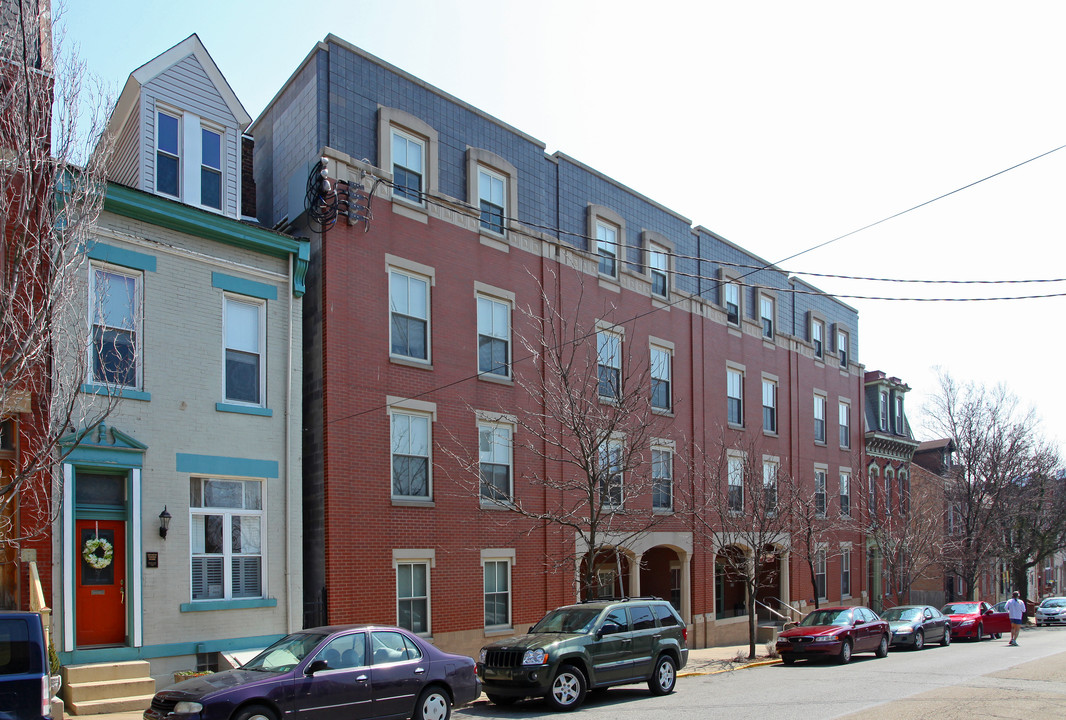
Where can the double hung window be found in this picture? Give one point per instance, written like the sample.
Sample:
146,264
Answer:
844,418
607,248
657,268
410,455
732,303
226,527
819,493
168,154
845,572
845,493
610,470
769,406
492,199
819,573
493,336
210,168
662,474
735,474
819,418
735,396
609,364
818,338
409,315
115,302
408,166
842,348
882,416
245,368
660,378
899,415
412,596
494,452
766,314
497,593
769,486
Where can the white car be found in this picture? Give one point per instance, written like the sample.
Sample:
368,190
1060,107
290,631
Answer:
1051,611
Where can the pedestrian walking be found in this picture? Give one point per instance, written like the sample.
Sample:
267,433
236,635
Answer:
1016,610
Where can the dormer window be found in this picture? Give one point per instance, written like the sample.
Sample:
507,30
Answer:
210,168
168,155
407,166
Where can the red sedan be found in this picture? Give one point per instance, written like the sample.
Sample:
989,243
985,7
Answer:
835,632
975,619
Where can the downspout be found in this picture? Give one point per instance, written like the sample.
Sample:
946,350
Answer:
288,465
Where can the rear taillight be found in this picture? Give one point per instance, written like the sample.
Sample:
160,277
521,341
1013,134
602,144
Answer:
46,696
684,633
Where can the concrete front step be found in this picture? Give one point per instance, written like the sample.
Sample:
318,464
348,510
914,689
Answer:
138,703
98,688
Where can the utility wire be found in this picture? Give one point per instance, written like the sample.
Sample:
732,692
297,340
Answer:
476,214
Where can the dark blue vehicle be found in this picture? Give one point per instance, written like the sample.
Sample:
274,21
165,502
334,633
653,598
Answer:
26,683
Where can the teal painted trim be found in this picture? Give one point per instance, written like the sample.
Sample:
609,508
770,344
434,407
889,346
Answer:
218,465
121,256
243,409
124,393
172,214
149,652
205,606
106,457
243,286
97,514
299,270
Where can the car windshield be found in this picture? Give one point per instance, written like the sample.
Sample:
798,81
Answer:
827,617
283,655
567,620
961,609
904,614
1054,603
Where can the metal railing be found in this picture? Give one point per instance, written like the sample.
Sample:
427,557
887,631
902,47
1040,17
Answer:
783,604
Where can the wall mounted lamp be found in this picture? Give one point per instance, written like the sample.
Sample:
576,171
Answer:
164,523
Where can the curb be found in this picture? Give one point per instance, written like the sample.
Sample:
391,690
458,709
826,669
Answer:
697,673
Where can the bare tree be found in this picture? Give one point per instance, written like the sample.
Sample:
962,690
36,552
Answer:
1035,527
591,438
810,522
51,206
997,443
747,518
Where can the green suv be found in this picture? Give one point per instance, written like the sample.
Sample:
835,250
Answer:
590,645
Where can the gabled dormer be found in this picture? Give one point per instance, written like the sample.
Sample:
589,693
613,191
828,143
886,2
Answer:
177,129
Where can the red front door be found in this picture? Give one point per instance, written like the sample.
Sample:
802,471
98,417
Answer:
101,582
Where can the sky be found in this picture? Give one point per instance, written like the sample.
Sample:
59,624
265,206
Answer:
781,126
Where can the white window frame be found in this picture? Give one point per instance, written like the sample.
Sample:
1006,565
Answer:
845,571
899,414
227,555
410,415
734,383
491,304
821,497
659,478
609,357
426,318
408,561
845,492
843,340
662,361
882,415
820,404
138,323
220,170
607,248
735,480
871,494
820,573
490,181
771,467
611,453
768,321
260,306
659,268
844,420
818,338
494,559
731,292
422,144
492,432
176,156
769,395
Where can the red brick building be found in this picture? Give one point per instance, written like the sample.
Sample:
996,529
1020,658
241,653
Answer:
440,242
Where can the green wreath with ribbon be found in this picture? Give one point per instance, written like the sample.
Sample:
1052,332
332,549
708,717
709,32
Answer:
91,554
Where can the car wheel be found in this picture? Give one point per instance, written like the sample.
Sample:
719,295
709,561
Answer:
844,656
501,700
567,689
946,639
788,659
665,675
255,712
919,640
882,648
433,704
980,633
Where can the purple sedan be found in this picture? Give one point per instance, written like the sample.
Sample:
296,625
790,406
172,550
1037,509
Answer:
350,671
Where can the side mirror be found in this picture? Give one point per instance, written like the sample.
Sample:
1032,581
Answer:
609,629
316,666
